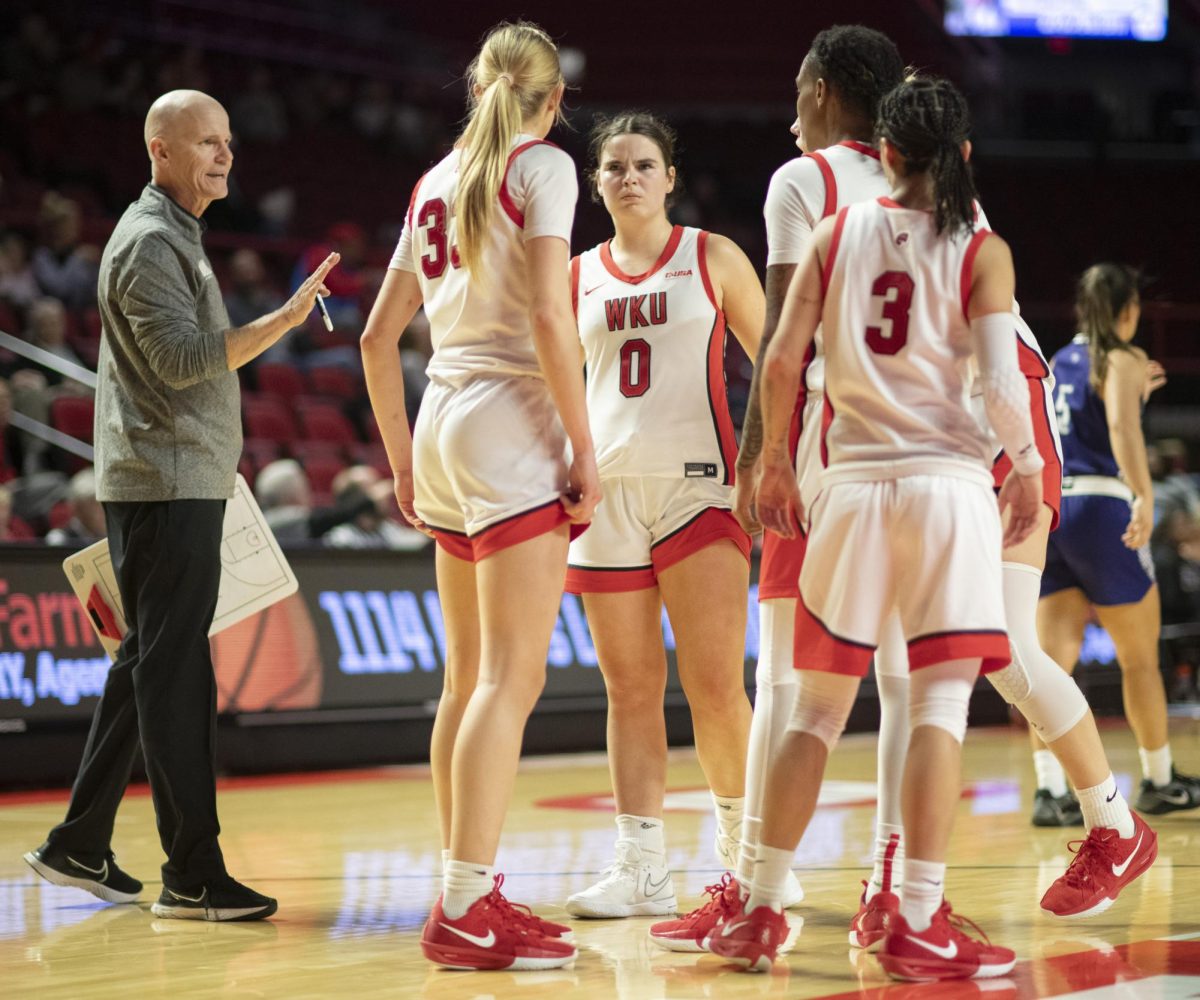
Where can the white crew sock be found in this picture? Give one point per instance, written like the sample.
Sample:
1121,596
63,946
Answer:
924,887
889,860
1050,774
771,867
1103,805
463,882
1156,765
646,832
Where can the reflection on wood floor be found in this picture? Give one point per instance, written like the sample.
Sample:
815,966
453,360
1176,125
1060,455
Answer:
353,857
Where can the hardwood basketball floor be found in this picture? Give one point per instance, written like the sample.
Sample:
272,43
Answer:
352,858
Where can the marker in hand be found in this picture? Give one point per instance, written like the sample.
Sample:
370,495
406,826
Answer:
324,313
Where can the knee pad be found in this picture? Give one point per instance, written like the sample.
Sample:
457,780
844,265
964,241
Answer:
819,712
940,697
1051,701
1013,682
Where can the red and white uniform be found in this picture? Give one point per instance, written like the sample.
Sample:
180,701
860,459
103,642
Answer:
803,192
906,518
1036,369
665,446
489,450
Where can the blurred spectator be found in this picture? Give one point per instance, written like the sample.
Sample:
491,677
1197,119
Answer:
12,528
48,330
62,266
416,348
362,489
18,286
285,497
87,515
12,445
260,115
1175,542
26,393
373,110
249,293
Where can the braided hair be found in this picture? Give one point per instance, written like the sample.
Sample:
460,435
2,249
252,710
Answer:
926,119
861,64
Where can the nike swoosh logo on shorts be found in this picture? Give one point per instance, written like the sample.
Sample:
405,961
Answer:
653,889
485,941
101,873
1119,870
947,951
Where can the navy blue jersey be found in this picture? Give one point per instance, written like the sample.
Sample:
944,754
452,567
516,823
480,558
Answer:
1082,418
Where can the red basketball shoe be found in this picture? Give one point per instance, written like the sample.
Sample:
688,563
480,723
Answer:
869,926
1104,864
751,940
687,933
492,934
942,951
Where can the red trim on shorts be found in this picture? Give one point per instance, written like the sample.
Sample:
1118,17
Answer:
506,201
816,648
827,270
611,266
710,526
718,398
830,205
1031,363
861,147
702,262
609,580
522,527
455,543
968,266
779,567
575,285
989,644
1043,439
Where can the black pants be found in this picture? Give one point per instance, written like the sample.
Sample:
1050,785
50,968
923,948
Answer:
166,557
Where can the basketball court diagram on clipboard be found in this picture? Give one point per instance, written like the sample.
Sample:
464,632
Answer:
254,573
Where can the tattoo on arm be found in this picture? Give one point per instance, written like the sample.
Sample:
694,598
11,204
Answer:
778,278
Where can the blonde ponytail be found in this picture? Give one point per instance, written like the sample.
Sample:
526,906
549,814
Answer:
509,82
1102,293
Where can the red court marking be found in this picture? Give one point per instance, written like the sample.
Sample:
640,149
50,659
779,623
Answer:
602,801
1058,976
141,789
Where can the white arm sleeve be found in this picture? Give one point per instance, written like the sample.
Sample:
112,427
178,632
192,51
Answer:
1005,389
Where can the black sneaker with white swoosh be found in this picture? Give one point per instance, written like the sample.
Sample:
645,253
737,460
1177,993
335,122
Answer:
94,873
221,899
1181,792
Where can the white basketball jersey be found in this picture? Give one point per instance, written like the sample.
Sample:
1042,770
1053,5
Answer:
655,348
802,193
898,344
484,326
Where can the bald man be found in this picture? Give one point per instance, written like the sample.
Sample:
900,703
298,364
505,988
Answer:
168,437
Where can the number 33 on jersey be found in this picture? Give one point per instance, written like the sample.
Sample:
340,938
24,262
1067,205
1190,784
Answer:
655,349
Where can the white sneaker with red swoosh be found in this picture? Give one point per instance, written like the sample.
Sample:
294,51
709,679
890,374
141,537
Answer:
1104,864
492,934
942,951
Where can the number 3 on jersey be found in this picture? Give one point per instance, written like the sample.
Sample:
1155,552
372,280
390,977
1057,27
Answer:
896,290
433,263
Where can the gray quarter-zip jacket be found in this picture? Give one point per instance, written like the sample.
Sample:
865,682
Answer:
168,416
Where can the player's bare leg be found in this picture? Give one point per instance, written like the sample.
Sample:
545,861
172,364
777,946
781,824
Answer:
1134,629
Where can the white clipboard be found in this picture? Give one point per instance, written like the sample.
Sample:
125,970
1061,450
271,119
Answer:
254,573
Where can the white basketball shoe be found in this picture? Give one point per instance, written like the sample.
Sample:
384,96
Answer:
632,886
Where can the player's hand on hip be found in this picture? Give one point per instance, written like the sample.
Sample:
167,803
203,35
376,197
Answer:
1156,378
1141,523
745,492
778,501
403,488
583,488
304,298
1021,500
